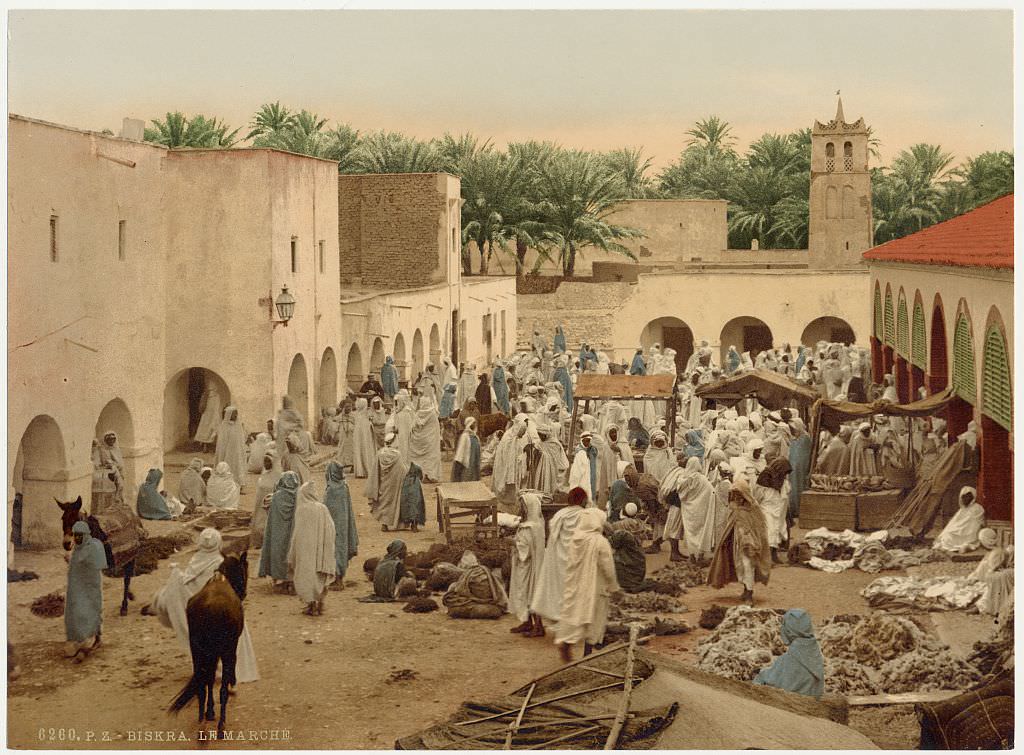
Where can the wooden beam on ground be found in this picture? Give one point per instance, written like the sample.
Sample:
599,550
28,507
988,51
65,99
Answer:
903,698
514,726
620,718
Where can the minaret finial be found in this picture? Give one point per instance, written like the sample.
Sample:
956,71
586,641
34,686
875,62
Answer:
839,110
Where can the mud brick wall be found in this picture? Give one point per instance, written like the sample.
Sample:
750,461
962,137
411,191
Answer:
586,311
391,229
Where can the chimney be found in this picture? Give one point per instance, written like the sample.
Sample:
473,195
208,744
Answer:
754,246
134,129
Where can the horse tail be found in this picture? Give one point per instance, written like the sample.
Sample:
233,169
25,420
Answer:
189,691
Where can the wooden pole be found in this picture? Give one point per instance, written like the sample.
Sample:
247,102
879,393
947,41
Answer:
815,432
620,718
514,726
556,699
572,427
570,735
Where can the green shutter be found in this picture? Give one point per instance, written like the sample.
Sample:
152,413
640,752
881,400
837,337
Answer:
996,385
879,323
890,325
902,328
963,362
918,349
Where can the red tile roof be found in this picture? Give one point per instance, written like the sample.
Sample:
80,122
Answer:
980,238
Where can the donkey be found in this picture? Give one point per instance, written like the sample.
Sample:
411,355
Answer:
121,524
215,622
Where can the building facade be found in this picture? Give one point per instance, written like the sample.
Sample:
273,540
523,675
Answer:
942,314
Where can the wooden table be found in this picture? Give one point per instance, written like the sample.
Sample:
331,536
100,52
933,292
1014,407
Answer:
467,507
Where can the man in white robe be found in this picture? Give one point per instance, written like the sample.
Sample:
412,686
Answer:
466,386
311,563
527,559
550,585
615,450
961,533
551,463
835,460
583,473
171,601
384,485
231,444
206,432
669,498
862,452
508,464
590,580
697,509
425,439
364,450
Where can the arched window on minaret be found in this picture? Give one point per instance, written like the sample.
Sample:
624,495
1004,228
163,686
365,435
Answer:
848,157
848,201
830,157
831,202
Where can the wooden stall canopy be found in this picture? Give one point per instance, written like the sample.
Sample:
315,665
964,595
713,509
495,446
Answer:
623,387
590,387
771,389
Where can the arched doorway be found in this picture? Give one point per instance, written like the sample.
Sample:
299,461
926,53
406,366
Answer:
186,396
116,418
435,345
398,352
995,483
417,354
298,387
746,334
831,329
327,388
377,355
40,475
354,368
671,333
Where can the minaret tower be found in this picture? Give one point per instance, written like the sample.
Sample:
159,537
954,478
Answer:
840,201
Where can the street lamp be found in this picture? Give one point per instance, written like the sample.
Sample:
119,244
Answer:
285,304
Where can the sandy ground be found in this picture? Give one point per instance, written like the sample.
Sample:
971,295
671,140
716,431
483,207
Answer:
326,681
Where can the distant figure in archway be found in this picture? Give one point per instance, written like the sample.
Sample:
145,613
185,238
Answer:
372,385
206,432
288,420
389,378
231,444
108,474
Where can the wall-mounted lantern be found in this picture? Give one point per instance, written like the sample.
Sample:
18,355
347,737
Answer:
285,304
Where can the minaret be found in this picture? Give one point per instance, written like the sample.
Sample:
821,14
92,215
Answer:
840,226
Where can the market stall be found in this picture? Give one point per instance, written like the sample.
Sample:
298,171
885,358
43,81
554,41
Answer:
772,391
591,388
861,503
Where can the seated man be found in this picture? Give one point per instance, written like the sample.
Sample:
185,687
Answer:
388,574
630,562
477,594
801,668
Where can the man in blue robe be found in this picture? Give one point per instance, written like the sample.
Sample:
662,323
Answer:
800,463
412,508
277,536
83,606
801,668
389,378
638,367
561,375
559,339
500,385
150,504
339,503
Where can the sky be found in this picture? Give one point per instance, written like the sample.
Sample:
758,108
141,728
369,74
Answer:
584,78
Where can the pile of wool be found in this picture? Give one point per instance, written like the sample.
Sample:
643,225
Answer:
681,573
49,606
153,549
995,655
744,642
919,671
407,588
420,605
844,677
649,602
619,622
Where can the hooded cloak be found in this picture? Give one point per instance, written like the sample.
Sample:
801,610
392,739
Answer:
466,386
231,444
658,462
425,439
466,464
364,451
800,462
527,556
378,419
478,593
483,394
389,571
339,503
637,366
222,490
384,486
550,586
288,420
746,536
500,385
206,432
589,581
630,562
389,377
257,451
448,400
191,487
583,472
559,339
311,564
801,668
150,504
961,533
694,445
83,604
277,536
412,507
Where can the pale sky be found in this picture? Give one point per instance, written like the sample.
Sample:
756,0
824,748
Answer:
587,79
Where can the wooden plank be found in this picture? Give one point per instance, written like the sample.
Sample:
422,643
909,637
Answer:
514,726
620,717
556,699
903,698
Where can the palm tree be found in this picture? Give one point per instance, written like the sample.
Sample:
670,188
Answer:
578,193
303,135
909,196
987,176
342,144
271,118
392,152
713,134
454,151
632,167
178,131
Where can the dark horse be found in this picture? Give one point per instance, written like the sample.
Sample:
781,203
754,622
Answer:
215,622
121,525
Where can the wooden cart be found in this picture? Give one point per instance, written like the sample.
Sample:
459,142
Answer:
467,508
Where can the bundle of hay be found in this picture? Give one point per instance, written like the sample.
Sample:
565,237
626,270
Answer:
420,605
649,602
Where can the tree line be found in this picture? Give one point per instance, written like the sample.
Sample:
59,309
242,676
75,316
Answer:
558,201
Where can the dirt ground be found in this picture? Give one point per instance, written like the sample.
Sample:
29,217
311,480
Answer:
325,681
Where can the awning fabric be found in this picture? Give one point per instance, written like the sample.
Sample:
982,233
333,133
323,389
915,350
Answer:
607,387
833,413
